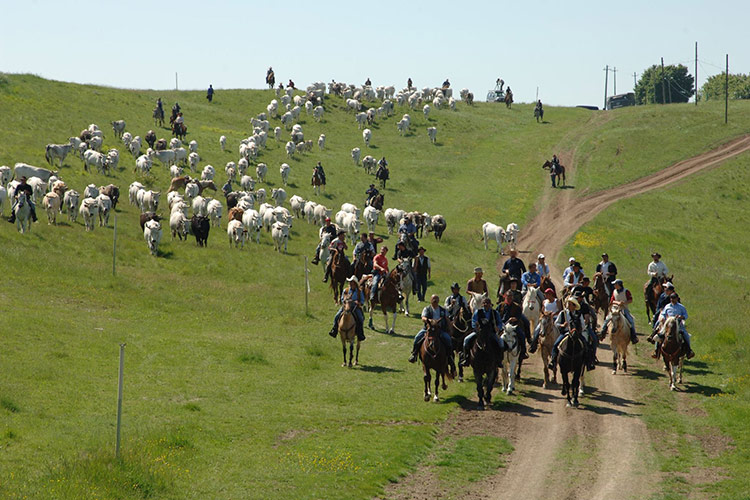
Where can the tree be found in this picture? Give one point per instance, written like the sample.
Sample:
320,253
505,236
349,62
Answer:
677,84
739,87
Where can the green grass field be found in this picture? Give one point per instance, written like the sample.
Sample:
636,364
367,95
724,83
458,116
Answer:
231,391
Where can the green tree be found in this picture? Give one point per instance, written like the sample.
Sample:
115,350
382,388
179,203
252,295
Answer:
739,87
677,83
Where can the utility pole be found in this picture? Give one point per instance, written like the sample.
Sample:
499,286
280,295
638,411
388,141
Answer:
726,93
696,73
175,80
606,76
663,90
614,79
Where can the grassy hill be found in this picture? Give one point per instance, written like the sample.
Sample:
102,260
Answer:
230,389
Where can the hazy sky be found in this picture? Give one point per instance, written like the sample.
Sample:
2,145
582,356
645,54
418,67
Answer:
561,47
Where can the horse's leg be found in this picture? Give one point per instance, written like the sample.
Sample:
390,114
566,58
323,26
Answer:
406,308
480,388
343,347
426,384
614,360
351,352
514,365
504,372
393,325
679,380
356,359
437,386
460,373
577,385
518,369
565,385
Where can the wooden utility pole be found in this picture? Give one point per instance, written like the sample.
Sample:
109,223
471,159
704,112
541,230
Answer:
696,73
663,90
175,81
606,76
726,93
614,80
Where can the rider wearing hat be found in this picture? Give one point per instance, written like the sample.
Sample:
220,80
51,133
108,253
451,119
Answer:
621,297
363,246
569,269
434,311
402,252
575,276
422,272
22,187
541,266
455,301
568,321
330,229
374,240
677,310
662,301
477,284
482,316
354,293
609,273
657,270
509,309
371,193
550,307
339,244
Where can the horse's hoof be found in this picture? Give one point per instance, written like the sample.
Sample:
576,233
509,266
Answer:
480,407
356,363
564,392
518,378
435,399
509,392
544,385
427,397
460,380
580,392
575,404
672,388
568,405
614,372
350,365
343,364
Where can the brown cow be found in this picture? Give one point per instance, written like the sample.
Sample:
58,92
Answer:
206,185
151,138
235,214
145,217
112,191
179,183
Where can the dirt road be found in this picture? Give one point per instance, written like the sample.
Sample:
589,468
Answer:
600,450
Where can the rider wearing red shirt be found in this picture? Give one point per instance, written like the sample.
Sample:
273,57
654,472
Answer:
379,269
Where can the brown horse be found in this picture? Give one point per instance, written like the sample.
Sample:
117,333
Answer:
376,202
388,301
651,294
560,170
601,298
508,99
672,350
572,353
547,283
458,329
547,337
619,328
363,264
347,333
179,130
433,356
317,182
340,270
485,358
503,286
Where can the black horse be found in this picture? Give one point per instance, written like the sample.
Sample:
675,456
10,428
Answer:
382,174
460,327
571,360
485,359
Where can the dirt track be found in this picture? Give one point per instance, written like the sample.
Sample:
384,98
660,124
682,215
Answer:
608,442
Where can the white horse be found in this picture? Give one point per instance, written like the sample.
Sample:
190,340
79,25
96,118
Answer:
407,282
510,357
23,213
325,240
476,300
532,307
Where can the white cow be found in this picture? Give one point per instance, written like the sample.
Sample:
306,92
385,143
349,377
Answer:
426,110
247,183
223,142
366,136
38,188
135,146
193,146
93,158
165,157
511,232
24,170
260,195
70,202
89,210
51,204
321,213
152,235
290,148
175,143
133,191
322,142
6,174
118,127
200,205
90,191
318,113
351,224
104,203
279,196
392,218
284,171
371,215
280,235
350,208
236,233
253,224
491,231
150,201
355,155
178,224
432,133
361,119
213,209
143,163
3,197
298,205
309,211
208,173
260,170
175,171
193,159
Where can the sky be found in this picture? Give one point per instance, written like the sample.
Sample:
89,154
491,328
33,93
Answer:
559,48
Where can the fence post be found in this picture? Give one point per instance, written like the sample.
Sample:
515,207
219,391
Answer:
119,399
307,286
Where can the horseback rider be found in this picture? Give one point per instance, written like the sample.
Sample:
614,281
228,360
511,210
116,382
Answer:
290,85
160,106
329,228
22,187
574,277
339,244
374,240
657,270
538,107
176,109
482,316
320,173
508,309
355,294
569,269
621,297
570,320
589,319
514,286
368,83
363,247
379,270
609,273
446,84
672,310
477,284
408,83
382,172
407,226
401,252
661,302
227,188
541,266
514,266
431,312
531,277
455,301
210,93
551,307
371,193
554,169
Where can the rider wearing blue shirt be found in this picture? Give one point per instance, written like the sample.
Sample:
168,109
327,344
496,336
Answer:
482,315
674,310
357,295
432,312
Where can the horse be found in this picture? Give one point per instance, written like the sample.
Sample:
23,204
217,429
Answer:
485,359
510,357
317,182
672,350
179,130
271,79
363,264
547,337
324,253
407,284
340,270
539,114
560,170
651,294
508,99
22,212
601,297
458,329
532,307
571,360
382,174
547,283
619,330
376,202
476,301
347,333
433,356
158,116
388,299
503,286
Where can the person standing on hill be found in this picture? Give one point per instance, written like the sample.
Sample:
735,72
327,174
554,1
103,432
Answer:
423,270
210,93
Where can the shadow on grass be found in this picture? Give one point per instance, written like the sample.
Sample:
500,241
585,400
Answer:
646,373
704,390
378,369
165,255
567,187
394,334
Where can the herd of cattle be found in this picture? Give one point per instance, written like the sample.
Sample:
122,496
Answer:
186,193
